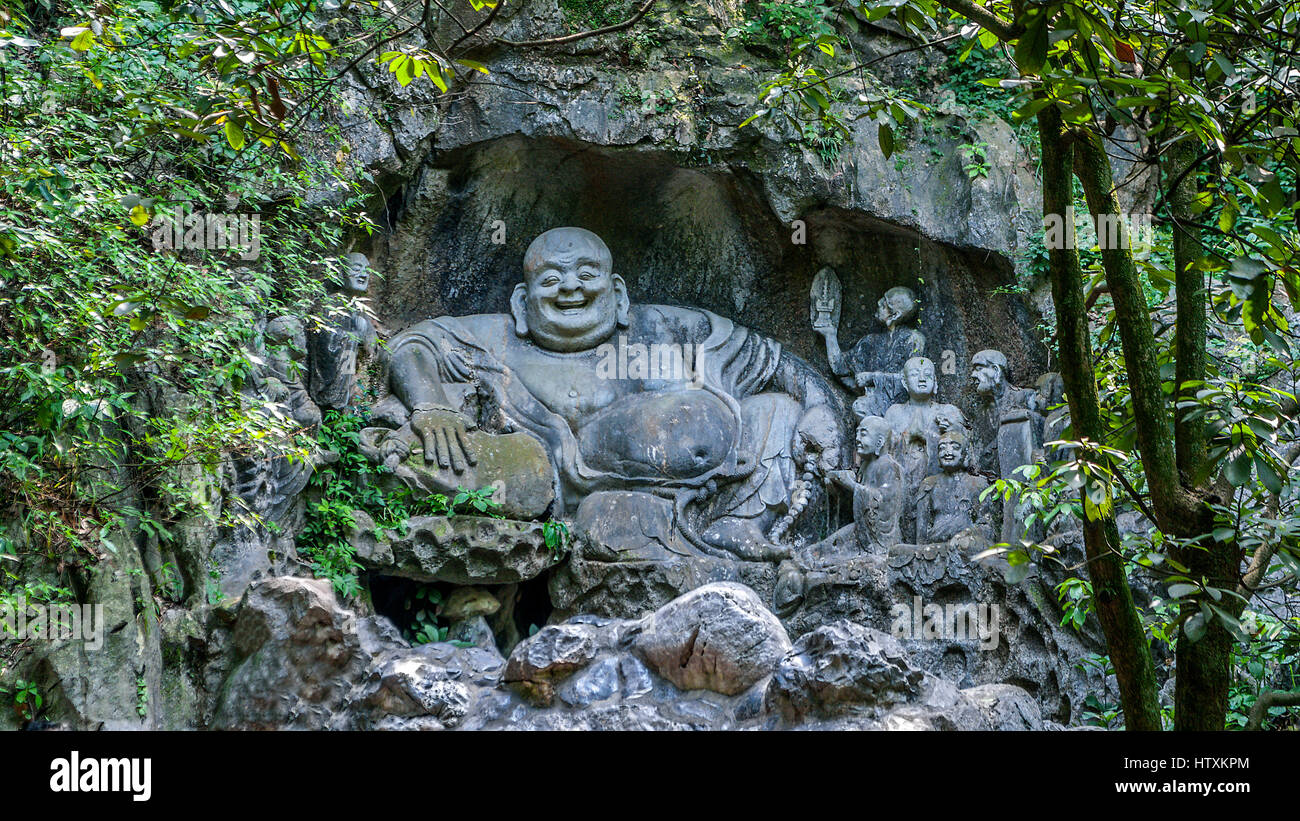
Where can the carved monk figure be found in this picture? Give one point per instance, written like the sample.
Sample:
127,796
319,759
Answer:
917,423
268,485
874,364
646,460
1004,404
1051,399
949,502
877,489
1014,426
335,348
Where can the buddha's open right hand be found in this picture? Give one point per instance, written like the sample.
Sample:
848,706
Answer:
442,434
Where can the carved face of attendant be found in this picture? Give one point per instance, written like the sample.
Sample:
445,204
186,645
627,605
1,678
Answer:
897,306
952,452
570,299
919,376
356,277
286,333
872,436
817,442
988,370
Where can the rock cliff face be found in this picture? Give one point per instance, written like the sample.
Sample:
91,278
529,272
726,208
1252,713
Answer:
713,659
645,151
696,210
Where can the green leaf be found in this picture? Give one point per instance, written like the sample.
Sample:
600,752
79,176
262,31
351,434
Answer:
1031,48
885,135
470,64
1237,469
1267,475
20,42
1017,573
234,134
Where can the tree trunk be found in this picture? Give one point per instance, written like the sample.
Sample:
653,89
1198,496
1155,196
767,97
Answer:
1126,639
1190,329
1175,508
1204,666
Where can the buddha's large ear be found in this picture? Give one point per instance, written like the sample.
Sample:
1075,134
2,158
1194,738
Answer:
624,305
517,302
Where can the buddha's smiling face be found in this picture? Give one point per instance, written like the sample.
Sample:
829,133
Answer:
572,299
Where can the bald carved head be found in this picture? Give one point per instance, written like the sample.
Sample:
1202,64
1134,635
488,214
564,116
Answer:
988,369
570,299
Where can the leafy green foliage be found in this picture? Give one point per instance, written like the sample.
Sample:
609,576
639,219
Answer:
1268,660
114,353
424,609
141,697
349,482
1075,596
557,536
27,699
777,23
584,15
975,159
476,501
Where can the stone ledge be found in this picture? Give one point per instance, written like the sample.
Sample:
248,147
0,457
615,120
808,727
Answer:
460,550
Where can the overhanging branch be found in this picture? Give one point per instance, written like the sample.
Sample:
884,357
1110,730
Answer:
583,35
1005,31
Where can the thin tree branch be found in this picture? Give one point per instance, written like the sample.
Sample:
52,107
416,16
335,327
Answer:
582,35
1273,698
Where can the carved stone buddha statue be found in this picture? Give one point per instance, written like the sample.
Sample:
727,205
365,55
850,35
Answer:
652,462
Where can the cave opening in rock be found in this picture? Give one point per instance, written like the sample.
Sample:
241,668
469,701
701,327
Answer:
464,613
532,606
401,601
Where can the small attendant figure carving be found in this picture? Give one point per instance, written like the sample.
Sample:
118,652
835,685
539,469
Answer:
949,502
873,365
268,485
1012,416
336,348
918,423
878,495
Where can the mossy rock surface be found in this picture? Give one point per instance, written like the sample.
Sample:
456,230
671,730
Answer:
461,550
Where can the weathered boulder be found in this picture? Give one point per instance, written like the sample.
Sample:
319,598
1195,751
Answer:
297,655
410,686
841,668
718,637
551,655
1008,707
468,602
99,685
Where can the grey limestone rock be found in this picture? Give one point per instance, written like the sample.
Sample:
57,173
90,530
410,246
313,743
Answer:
718,637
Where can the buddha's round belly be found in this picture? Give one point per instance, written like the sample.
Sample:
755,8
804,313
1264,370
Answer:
673,435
